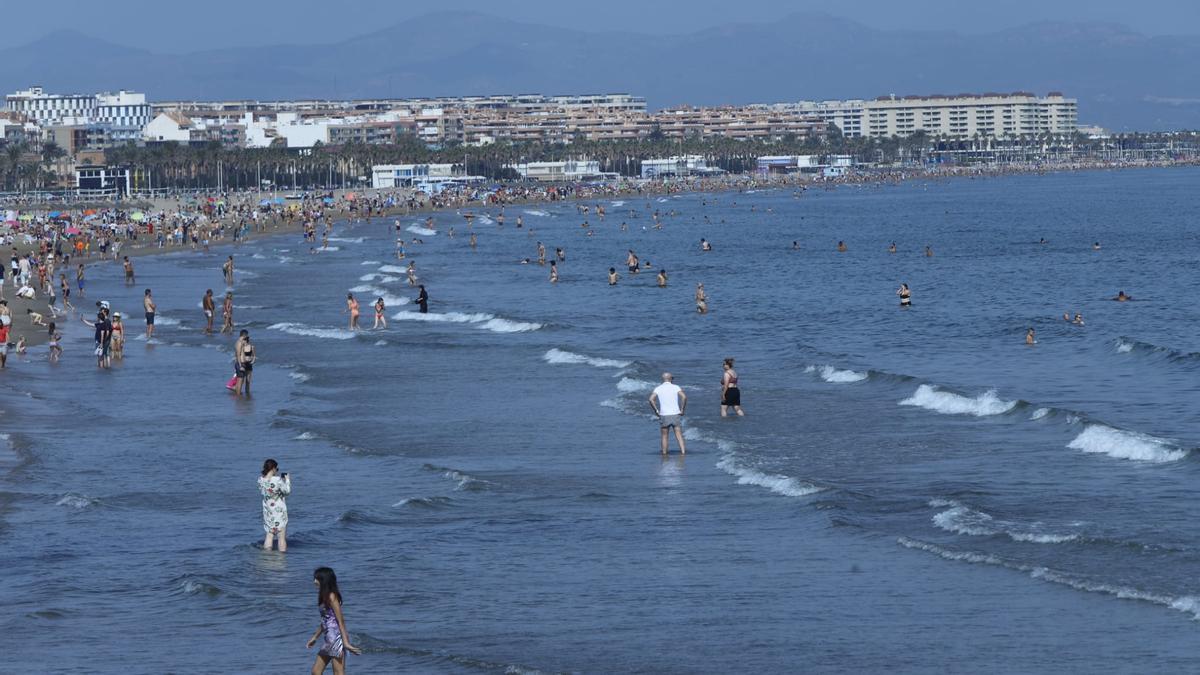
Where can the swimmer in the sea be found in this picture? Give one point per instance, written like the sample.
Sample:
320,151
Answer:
553,272
705,245
892,248
905,295
613,276
1121,297
1029,338
1078,319
701,299
662,279
928,252
841,247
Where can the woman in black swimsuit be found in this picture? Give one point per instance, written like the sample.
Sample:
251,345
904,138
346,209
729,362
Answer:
731,396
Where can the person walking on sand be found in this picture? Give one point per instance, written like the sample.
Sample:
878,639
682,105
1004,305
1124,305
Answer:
227,313
274,487
352,307
151,308
332,626
731,396
210,306
669,404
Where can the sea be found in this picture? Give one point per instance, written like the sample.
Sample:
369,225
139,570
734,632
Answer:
910,491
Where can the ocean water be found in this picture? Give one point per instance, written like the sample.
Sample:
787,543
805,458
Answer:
911,490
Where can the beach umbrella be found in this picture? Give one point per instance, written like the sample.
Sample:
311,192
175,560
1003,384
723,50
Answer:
327,200
26,217
279,200
137,216
264,202
72,230
55,214
89,212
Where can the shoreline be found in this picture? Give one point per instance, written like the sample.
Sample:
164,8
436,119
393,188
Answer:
277,223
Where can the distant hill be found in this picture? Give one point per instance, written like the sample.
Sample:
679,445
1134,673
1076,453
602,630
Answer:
1123,80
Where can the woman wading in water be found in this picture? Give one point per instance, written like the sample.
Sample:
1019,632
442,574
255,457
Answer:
731,396
333,625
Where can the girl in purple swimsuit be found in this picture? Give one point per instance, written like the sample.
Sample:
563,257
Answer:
337,640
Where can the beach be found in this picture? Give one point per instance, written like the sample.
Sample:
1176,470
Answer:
910,490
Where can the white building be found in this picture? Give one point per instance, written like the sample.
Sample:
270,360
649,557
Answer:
988,115
569,170
686,165
170,127
124,113
407,175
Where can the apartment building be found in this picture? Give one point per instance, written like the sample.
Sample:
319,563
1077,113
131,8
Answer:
989,115
123,113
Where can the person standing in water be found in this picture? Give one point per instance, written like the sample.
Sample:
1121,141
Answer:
243,362
731,396
701,299
209,306
333,625
274,487
352,307
380,319
841,247
422,300
669,404
613,276
632,262
227,269
905,295
553,272
227,313
151,308
128,272
662,279
1029,337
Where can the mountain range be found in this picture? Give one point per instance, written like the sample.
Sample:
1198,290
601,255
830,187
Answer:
1124,80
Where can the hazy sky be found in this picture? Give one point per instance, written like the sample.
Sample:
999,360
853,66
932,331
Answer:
188,26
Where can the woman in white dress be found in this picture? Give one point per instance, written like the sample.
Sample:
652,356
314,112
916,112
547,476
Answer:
275,487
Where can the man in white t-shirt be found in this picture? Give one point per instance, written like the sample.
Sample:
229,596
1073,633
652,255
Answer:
669,403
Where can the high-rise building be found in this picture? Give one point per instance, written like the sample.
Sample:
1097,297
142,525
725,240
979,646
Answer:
990,115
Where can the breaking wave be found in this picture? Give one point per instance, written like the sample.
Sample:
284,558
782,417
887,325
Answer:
1100,438
948,403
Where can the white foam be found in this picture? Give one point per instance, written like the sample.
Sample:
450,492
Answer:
369,262
962,520
947,403
484,220
328,248
559,356
389,300
306,436
248,307
392,269
1098,438
448,317
74,501
509,326
1124,347
160,320
618,203
423,231
1039,413
381,343
258,256
299,376
310,331
630,385
835,376
779,484
536,212
348,240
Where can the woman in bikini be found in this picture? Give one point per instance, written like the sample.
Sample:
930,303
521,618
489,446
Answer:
380,319
352,307
731,396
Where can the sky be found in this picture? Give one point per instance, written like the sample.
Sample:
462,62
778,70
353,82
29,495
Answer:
171,26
